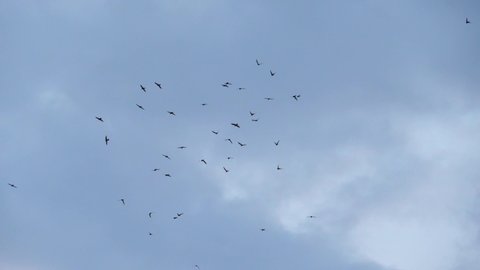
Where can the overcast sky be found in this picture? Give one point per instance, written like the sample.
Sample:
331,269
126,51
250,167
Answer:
382,147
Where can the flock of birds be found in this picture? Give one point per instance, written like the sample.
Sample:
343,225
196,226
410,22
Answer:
227,84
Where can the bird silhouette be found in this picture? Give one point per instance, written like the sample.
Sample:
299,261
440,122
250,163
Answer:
269,98
296,97
156,170
225,169
225,85
258,62
143,88
123,201
251,113
229,140
255,120
166,156
140,106
215,132
311,216
150,233
179,214
171,113
272,73
229,157
235,125
106,140
150,214
278,168
168,175
241,144
277,142
99,118
181,147
241,88
203,160
159,85
263,229
467,21
12,185
204,104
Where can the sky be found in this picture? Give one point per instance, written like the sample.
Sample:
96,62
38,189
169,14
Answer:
382,147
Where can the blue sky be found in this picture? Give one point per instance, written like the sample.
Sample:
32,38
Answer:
382,147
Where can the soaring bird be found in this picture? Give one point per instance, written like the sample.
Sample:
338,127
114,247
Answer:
204,104
215,132
225,85
277,142
467,21
235,125
150,214
168,175
296,97
123,201
175,217
278,168
311,216
12,185
241,88
258,63
269,98
172,113
203,160
241,144
140,106
159,85
99,118
150,233
106,140
166,156
229,140
156,170
225,169
179,214
255,120
143,88
272,73
251,113
263,229
181,147
229,158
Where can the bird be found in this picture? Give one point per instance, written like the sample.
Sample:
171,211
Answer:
277,142
311,216
166,156
467,21
229,140
225,169
296,97
99,118
251,113
168,175
175,217
225,85
150,233
140,106
12,185
123,201
155,170
106,140
203,160
228,83
181,147
269,98
229,157
263,229
215,132
272,73
278,168
172,113
255,120
143,88
241,144
204,104
241,88
150,214
159,85
179,214
258,62
235,125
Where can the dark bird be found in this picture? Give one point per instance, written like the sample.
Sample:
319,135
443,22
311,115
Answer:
203,160
255,120
159,85
251,113
99,118
150,214
272,73
172,113
269,98
225,169
241,88
175,217
155,170
467,21
204,104
311,216
168,175
181,147
277,142
215,132
241,144
106,140
150,234
235,125
167,157
179,214
229,140
228,83
278,168
258,63
143,88
263,229
225,85
123,201
296,97
140,106
229,157
12,185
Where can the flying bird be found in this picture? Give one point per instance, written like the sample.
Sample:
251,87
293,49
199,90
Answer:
296,97
467,21
155,170
150,233
106,140
12,185
181,147
123,201
172,113
225,85
269,98
255,120
229,140
168,175
251,113
166,156
150,214
99,118
278,168
272,73
215,132
277,142
311,216
258,62
263,229
179,214
229,157
225,169
140,106
203,160
241,88
159,85
235,125
204,104
241,144
143,88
